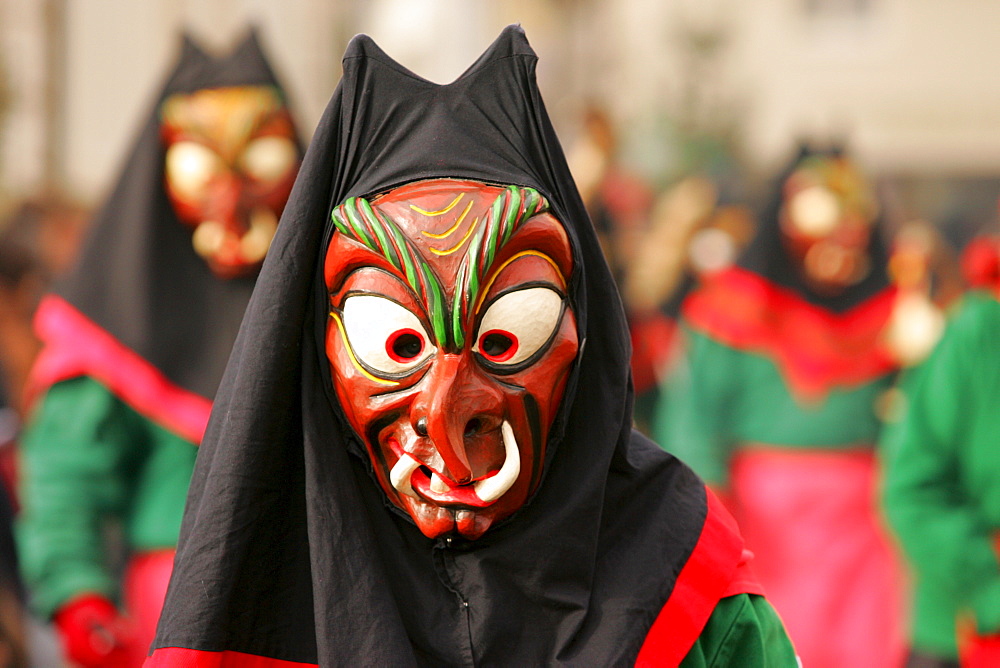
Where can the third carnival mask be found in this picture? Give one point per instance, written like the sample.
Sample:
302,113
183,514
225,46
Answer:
450,338
231,159
826,219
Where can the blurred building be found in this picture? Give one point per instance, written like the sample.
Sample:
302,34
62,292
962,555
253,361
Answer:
910,82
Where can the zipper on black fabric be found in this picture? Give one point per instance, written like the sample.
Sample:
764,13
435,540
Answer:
444,567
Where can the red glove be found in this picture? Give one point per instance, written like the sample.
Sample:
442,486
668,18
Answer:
981,263
93,633
981,652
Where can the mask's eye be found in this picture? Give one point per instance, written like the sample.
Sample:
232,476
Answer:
190,167
815,211
268,158
385,337
518,325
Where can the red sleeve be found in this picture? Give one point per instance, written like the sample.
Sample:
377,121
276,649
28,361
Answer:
718,567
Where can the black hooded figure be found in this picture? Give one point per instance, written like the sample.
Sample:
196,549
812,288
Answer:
290,553
136,339
767,255
777,404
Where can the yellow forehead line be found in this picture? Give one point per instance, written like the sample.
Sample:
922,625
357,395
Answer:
439,212
214,103
449,251
451,230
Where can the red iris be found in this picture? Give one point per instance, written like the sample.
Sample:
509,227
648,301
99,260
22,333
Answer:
404,345
497,345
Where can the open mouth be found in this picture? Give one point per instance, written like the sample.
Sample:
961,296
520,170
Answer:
410,477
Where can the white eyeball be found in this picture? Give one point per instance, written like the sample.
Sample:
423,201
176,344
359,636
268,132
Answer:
815,211
385,337
268,158
190,167
518,324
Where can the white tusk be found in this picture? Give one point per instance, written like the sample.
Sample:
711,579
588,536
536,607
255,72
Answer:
494,487
400,474
438,485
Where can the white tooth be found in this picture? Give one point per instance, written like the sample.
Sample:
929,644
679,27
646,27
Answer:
492,488
400,474
438,485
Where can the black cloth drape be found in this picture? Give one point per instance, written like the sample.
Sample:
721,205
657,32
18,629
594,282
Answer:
290,550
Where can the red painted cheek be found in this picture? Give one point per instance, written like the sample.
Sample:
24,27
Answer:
270,195
188,211
546,380
351,392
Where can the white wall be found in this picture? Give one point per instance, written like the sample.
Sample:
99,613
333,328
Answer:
23,62
914,81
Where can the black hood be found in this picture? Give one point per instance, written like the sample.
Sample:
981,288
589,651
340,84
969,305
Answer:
290,550
138,276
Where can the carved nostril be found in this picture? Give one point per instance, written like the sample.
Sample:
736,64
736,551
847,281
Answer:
421,427
472,426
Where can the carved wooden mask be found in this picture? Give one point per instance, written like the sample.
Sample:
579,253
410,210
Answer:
450,339
231,159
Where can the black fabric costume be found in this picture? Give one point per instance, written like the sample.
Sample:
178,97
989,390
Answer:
138,276
290,549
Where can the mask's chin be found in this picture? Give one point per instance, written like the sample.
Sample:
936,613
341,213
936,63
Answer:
436,521
230,253
439,507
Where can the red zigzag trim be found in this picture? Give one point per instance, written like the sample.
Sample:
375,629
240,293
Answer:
76,346
815,349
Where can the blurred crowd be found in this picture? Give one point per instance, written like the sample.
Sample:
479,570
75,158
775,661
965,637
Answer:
787,346
827,365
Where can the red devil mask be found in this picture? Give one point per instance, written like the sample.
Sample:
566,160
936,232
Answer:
231,160
450,340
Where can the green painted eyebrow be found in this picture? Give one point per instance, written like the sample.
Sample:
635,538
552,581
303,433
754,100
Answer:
509,211
357,219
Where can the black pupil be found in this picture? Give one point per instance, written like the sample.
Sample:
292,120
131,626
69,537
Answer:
496,344
407,346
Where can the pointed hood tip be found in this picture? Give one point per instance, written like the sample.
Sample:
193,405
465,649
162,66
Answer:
514,32
511,41
514,41
190,47
361,45
250,42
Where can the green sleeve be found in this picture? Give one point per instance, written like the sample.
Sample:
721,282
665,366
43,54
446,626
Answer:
73,479
694,407
926,497
744,630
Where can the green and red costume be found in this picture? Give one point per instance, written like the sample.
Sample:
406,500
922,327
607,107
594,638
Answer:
111,439
135,343
774,405
942,490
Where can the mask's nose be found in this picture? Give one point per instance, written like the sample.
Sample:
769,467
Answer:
226,207
457,407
